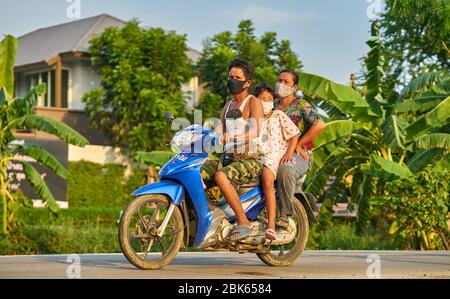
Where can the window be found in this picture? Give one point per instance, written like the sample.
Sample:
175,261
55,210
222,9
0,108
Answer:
48,77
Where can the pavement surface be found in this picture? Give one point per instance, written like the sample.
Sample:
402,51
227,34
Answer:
220,265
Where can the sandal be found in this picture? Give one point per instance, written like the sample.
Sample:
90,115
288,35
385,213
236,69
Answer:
270,234
282,221
239,232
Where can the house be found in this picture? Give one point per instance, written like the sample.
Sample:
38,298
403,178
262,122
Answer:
58,56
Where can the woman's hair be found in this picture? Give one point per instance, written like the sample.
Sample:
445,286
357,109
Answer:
258,89
293,73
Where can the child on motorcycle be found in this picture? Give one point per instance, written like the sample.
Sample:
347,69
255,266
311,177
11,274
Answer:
278,139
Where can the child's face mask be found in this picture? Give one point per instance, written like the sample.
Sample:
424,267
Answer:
267,107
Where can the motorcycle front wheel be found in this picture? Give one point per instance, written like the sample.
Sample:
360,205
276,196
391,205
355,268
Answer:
138,236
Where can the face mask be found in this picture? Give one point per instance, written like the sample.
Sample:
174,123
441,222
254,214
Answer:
283,90
235,86
267,107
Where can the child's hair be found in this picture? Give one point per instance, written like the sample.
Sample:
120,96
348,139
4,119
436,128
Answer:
261,87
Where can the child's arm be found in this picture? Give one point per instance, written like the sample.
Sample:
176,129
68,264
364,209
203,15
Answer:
290,150
291,133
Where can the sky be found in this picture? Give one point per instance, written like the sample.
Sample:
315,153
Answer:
329,36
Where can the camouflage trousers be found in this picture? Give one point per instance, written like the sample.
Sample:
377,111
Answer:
238,173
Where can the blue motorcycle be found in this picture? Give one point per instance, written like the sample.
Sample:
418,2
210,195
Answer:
175,213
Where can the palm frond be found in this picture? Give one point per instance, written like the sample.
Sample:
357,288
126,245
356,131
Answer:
51,126
343,97
42,190
7,60
393,132
366,190
375,63
389,170
43,157
335,130
423,158
419,84
159,158
27,104
434,140
435,118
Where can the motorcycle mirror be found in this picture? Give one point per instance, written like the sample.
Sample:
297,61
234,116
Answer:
169,116
234,114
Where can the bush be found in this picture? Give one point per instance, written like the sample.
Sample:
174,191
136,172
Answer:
344,237
416,211
73,230
95,185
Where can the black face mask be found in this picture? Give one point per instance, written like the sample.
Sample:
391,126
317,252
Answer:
235,86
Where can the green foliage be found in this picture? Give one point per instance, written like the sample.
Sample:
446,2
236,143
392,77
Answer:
19,113
416,36
8,48
141,75
94,185
420,208
158,158
372,140
344,237
266,53
81,230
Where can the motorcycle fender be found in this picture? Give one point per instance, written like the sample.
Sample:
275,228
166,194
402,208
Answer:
301,196
175,192
172,189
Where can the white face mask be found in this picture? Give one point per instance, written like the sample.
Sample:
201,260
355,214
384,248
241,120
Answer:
283,90
267,107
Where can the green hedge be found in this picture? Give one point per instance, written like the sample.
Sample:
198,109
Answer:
343,237
95,185
73,230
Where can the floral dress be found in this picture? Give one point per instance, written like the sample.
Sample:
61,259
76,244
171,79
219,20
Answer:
304,116
274,138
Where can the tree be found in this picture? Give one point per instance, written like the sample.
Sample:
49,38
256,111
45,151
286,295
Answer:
19,113
416,35
374,140
142,71
266,53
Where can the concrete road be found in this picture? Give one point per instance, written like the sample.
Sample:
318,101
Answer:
211,265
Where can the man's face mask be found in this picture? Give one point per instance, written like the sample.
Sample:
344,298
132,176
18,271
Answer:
284,90
236,86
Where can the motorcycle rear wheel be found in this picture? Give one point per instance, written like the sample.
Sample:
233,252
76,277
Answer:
277,256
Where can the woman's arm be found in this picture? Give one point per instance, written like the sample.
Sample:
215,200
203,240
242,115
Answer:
317,127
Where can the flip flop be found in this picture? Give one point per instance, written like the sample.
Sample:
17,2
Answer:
241,231
270,234
282,222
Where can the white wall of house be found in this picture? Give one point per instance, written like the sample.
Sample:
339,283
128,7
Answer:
83,78
97,154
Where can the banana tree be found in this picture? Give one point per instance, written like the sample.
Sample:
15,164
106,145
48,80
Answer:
19,113
369,139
